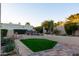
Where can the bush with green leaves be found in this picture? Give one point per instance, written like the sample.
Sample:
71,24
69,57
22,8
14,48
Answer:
39,29
70,28
9,48
7,44
3,32
6,41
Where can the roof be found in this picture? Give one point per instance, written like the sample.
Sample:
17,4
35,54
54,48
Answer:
15,26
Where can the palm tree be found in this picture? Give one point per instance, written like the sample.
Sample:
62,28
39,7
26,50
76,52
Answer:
48,26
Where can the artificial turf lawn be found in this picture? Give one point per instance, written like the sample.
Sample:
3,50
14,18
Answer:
39,44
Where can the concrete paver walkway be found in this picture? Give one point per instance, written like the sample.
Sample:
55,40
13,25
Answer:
59,50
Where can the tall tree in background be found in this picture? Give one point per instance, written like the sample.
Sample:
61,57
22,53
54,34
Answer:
45,24
39,29
58,23
74,18
27,23
48,26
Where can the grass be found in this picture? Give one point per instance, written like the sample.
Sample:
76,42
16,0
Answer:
37,45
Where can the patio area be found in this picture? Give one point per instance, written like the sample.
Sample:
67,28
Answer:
67,46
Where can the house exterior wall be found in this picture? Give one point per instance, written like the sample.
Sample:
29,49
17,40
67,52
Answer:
61,29
11,27
77,33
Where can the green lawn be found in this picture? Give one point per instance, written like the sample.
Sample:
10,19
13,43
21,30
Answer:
39,44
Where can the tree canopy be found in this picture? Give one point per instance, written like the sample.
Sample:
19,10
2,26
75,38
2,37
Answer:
49,25
27,23
74,18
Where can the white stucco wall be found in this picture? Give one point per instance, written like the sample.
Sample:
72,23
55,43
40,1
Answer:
61,28
77,33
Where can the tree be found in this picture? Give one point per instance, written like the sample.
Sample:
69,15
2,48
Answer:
48,26
27,23
45,24
58,23
71,25
4,32
39,29
74,18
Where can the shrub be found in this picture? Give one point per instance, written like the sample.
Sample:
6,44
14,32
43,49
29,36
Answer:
3,32
39,29
6,41
8,48
7,45
70,28
56,31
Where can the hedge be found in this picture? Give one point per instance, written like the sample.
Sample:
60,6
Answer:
70,28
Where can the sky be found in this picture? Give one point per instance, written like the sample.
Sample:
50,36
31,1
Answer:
36,13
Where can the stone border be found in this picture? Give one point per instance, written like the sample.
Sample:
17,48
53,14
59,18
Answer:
22,49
